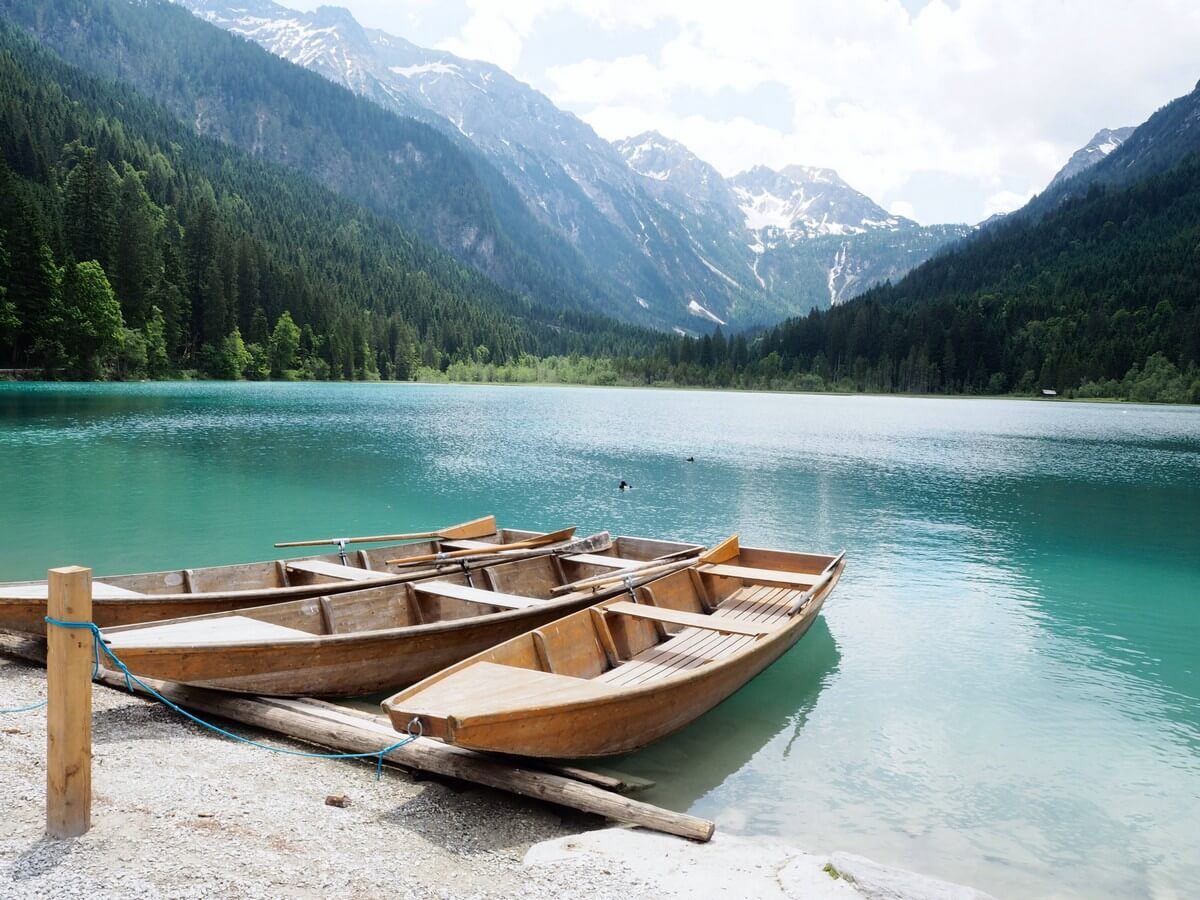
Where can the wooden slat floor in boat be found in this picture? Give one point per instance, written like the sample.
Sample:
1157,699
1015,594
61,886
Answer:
689,649
692,647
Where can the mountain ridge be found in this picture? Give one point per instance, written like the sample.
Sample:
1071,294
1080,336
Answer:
650,241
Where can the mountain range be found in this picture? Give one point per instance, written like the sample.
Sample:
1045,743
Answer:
678,244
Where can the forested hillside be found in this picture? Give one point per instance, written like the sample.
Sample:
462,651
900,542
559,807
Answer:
1100,298
131,246
229,88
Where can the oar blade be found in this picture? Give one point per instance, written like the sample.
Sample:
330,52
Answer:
593,543
466,531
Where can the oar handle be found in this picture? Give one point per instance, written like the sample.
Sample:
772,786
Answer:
369,539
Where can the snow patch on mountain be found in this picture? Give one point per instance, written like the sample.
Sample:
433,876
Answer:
697,310
801,202
716,271
439,68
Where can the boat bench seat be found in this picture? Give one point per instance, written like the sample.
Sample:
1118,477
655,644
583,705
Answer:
609,562
476,595
217,630
38,591
722,624
332,570
764,576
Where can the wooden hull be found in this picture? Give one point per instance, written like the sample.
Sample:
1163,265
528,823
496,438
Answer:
154,596
349,665
627,721
580,717
368,641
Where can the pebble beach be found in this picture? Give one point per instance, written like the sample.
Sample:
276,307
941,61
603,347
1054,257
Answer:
178,811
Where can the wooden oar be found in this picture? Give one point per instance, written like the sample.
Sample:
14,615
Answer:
464,531
653,567
595,543
552,538
802,600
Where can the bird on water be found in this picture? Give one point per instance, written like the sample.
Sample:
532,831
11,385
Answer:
624,485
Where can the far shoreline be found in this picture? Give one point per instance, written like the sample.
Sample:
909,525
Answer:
629,386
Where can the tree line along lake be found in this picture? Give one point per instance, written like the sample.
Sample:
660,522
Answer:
1004,690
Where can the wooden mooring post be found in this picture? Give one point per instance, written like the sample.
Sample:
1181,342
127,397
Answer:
69,659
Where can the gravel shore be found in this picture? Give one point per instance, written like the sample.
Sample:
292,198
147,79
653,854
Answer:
180,812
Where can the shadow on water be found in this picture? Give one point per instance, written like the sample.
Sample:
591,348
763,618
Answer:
688,765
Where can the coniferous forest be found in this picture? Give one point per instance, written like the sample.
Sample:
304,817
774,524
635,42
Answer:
130,247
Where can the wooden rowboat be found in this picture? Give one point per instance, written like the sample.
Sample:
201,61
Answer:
381,638
152,596
617,676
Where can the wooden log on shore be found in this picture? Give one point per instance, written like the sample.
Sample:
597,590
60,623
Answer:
357,731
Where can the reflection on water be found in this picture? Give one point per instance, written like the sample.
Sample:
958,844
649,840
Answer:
687,766
1003,690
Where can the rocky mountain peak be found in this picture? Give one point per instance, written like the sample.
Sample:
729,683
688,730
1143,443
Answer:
677,174
1103,142
804,201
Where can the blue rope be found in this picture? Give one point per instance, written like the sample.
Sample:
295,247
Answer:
131,679
21,709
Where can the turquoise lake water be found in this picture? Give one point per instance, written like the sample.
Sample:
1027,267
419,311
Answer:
1004,690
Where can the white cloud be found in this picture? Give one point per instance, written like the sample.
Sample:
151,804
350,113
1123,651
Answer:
957,109
1005,202
623,80
903,208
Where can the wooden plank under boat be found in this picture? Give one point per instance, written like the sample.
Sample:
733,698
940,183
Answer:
379,638
622,674
152,596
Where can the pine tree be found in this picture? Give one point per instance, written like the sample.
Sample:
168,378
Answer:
285,342
89,207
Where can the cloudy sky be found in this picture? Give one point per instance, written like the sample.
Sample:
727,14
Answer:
943,111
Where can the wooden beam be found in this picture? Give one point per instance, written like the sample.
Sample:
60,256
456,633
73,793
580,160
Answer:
69,707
